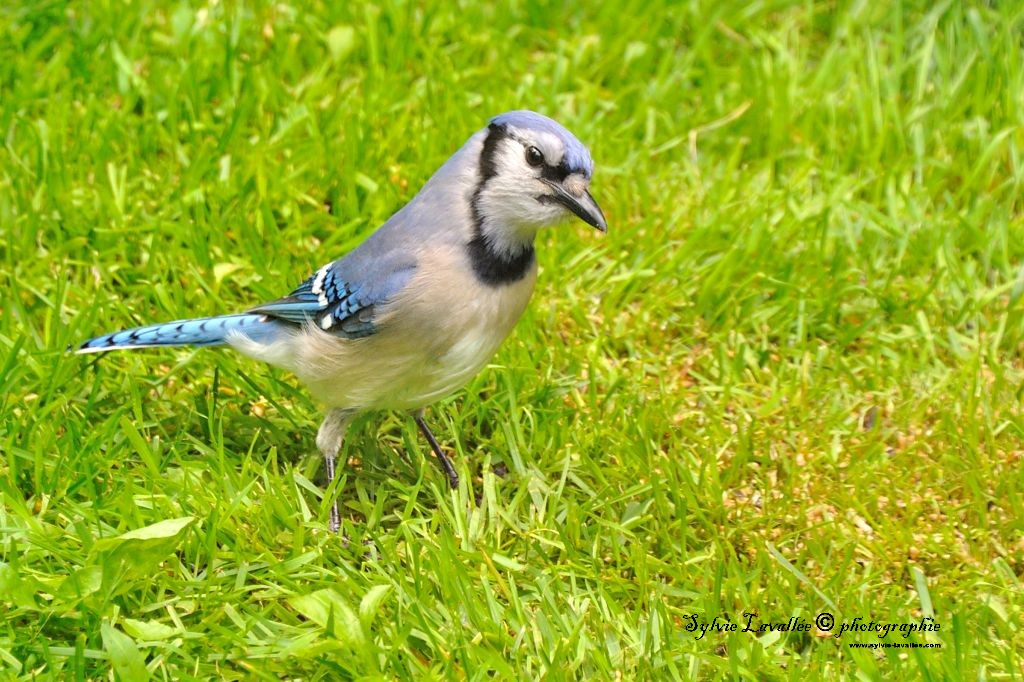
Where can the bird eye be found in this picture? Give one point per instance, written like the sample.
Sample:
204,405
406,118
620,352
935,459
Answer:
533,156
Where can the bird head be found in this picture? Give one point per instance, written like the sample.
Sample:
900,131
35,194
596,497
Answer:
533,173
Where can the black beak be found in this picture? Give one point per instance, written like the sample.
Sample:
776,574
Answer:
585,207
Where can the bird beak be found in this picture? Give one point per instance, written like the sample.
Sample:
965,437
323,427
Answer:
585,207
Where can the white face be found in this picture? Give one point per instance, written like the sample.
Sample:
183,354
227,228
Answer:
512,197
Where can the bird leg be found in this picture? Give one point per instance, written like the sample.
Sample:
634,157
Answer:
328,439
446,464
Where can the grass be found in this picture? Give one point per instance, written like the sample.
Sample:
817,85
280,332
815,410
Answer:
787,382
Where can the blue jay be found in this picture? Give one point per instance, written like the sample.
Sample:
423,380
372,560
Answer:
419,307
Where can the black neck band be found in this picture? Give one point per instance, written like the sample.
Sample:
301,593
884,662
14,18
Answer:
494,267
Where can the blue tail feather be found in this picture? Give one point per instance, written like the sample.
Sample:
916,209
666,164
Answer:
204,331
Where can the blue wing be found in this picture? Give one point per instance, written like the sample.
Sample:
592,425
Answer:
336,300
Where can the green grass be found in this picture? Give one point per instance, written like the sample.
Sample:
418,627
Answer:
788,380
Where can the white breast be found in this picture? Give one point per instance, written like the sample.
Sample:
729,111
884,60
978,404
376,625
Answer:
432,338
475,334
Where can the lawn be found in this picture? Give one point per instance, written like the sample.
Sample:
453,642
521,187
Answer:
787,382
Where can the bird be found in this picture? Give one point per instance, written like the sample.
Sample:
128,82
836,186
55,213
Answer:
423,303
